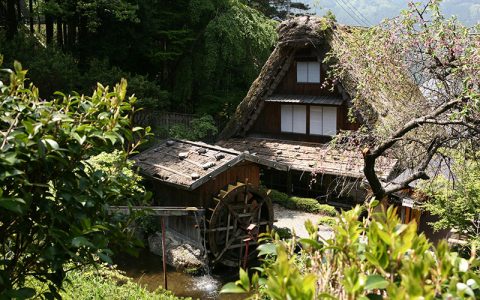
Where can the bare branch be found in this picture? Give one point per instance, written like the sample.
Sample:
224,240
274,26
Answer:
409,126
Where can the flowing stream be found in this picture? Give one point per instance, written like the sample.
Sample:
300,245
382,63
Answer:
147,271
147,268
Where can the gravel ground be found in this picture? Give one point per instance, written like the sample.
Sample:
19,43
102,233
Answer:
295,220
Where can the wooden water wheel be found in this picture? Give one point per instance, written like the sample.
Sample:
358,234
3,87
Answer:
241,213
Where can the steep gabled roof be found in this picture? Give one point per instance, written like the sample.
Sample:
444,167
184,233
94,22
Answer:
293,34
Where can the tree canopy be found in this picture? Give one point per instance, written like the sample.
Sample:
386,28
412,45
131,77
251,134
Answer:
416,87
189,56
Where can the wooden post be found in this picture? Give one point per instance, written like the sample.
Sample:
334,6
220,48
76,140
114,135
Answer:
289,183
164,260
245,259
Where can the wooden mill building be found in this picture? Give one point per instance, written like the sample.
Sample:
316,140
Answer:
223,182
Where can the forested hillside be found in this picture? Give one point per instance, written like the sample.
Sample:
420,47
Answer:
190,56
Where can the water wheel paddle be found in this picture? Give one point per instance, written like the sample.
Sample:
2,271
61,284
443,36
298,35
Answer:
238,209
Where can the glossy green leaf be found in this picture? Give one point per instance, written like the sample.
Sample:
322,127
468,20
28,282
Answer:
376,282
312,243
16,205
81,241
231,288
244,279
267,249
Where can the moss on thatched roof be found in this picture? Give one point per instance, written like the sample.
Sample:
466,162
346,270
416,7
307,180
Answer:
293,34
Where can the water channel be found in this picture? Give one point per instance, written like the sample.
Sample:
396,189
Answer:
147,268
147,271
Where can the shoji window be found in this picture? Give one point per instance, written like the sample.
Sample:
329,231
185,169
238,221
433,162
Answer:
294,118
323,120
316,120
308,72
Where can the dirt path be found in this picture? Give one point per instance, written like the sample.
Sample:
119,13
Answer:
295,220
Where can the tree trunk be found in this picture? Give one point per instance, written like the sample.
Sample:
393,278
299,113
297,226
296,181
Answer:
11,19
82,41
19,11
371,176
30,10
49,28
71,33
59,32
64,31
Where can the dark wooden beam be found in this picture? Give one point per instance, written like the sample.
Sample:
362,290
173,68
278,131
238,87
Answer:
164,211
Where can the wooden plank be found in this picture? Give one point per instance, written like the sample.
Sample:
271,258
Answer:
233,227
159,210
251,243
167,169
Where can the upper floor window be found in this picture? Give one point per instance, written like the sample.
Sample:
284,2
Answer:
323,120
308,72
294,118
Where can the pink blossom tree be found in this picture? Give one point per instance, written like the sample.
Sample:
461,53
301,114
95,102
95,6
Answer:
416,83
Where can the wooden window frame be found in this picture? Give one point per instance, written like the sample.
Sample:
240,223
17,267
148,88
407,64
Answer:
307,71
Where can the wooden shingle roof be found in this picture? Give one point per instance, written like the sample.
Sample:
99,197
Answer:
310,157
188,165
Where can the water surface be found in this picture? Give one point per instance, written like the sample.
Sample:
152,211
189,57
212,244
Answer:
147,271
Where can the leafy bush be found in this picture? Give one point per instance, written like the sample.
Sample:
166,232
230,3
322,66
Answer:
327,220
149,224
457,202
283,232
150,95
377,258
199,129
115,167
102,282
303,204
53,205
49,68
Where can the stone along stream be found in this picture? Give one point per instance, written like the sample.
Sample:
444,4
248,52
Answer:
147,268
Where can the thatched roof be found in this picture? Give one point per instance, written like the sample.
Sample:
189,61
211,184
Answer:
309,157
188,165
293,34
397,92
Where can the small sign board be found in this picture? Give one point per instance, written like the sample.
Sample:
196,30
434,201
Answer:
408,202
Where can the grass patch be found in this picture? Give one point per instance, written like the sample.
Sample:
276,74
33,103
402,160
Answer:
103,283
304,204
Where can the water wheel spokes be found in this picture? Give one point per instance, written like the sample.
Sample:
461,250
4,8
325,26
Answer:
237,208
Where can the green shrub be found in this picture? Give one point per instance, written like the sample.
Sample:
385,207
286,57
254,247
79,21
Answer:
327,220
283,232
376,258
304,204
457,202
149,93
281,198
199,129
49,68
54,205
102,283
116,168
